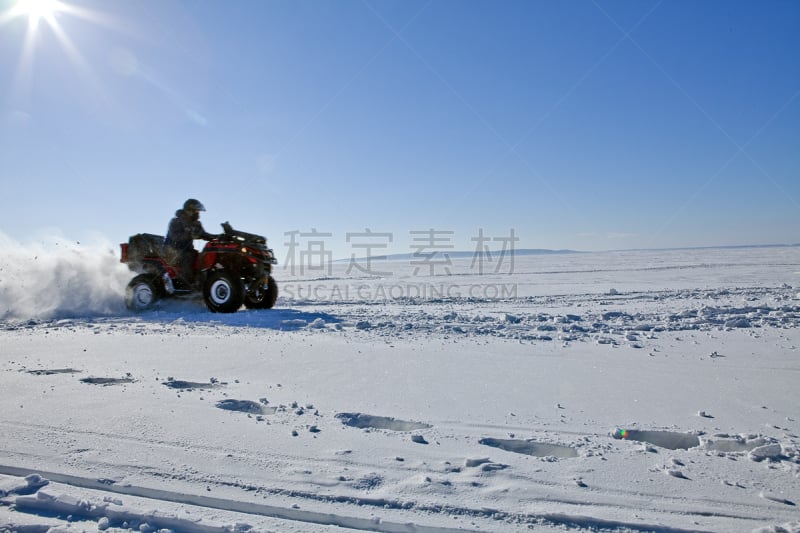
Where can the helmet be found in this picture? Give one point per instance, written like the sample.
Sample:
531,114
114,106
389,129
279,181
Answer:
194,205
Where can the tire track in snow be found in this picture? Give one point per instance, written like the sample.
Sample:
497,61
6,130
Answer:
283,513
609,497
559,520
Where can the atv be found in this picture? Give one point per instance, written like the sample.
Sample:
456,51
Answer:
233,269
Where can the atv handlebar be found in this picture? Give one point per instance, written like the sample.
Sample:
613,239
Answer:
232,234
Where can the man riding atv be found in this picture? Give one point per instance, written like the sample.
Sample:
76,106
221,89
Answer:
233,269
183,230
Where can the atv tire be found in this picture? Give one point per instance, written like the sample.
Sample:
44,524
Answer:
223,293
262,298
143,292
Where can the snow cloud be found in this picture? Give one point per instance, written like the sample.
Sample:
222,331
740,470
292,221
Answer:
53,277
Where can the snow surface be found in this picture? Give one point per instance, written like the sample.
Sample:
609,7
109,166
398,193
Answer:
627,391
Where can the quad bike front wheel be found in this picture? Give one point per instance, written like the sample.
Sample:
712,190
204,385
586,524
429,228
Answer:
264,297
223,293
143,292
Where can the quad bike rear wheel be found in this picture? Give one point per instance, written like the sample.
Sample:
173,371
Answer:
223,292
143,292
264,297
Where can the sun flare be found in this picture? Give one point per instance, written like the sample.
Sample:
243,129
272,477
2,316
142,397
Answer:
36,10
49,23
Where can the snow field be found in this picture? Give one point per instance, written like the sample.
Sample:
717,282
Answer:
669,409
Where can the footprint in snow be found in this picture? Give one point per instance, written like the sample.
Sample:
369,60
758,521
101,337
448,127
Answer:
368,482
244,406
190,385
530,447
364,421
108,381
50,372
663,439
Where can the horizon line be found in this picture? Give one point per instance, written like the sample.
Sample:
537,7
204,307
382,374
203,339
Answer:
553,251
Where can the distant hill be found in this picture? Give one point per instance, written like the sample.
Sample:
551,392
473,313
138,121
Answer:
459,254
719,247
543,251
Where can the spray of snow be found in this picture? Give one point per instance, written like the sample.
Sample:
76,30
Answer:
54,277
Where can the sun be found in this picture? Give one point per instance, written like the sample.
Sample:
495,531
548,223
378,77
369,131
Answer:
44,34
36,10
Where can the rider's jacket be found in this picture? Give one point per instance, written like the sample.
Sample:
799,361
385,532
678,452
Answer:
184,229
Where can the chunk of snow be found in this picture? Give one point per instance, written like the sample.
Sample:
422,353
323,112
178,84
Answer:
768,451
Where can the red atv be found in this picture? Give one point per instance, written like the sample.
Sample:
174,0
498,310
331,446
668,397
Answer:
232,270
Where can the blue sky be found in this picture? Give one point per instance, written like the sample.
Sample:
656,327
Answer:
589,125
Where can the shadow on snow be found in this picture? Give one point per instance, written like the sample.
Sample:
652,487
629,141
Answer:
277,318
